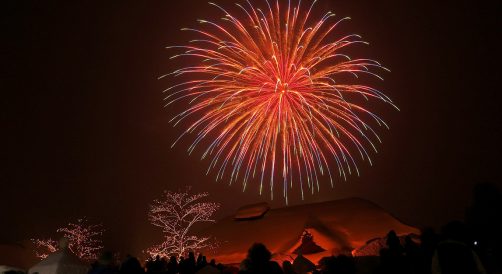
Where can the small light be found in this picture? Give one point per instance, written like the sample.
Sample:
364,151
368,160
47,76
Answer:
475,242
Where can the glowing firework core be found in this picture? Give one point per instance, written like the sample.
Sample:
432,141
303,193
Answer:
267,90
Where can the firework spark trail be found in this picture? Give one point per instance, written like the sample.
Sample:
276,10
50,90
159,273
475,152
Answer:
264,90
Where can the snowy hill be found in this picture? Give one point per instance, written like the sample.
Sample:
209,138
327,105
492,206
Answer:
19,255
338,227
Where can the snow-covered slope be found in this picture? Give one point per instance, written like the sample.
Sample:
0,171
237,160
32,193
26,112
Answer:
19,255
338,226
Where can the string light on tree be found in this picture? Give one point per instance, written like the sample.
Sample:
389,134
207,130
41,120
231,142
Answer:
84,240
176,213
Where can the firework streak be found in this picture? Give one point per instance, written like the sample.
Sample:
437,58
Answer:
264,95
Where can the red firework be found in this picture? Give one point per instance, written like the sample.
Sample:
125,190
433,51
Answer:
267,89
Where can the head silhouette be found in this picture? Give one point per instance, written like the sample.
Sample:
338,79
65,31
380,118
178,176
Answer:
455,230
258,253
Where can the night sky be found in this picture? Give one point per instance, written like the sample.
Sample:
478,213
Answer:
85,132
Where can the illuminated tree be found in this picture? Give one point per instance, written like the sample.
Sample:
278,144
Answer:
44,247
176,213
84,240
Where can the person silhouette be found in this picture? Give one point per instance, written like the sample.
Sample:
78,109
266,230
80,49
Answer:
394,244
190,263
391,258
258,261
453,255
287,267
131,265
104,265
172,265
345,265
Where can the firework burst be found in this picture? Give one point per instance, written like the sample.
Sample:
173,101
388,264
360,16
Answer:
268,97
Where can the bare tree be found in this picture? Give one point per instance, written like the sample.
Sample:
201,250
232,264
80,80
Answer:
83,238
44,247
176,213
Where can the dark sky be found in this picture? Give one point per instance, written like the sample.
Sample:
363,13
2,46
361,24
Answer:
85,133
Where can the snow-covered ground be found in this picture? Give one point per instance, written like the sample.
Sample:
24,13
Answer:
17,255
338,227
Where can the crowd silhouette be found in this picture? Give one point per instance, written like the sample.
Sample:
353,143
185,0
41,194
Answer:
453,251
472,247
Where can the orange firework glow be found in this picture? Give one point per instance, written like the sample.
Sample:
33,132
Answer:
267,90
